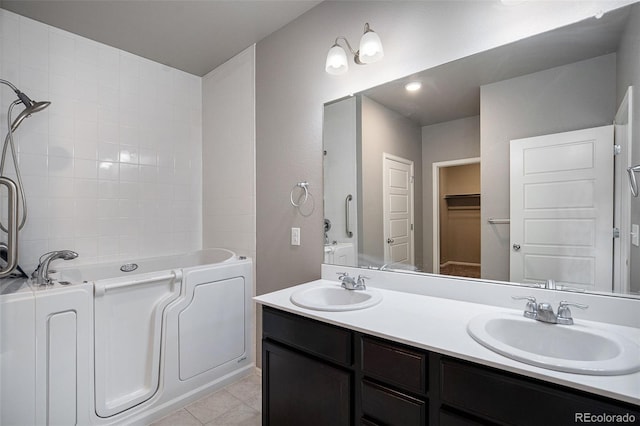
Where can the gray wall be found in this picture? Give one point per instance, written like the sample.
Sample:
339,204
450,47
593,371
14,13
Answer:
384,130
629,75
292,86
571,97
451,140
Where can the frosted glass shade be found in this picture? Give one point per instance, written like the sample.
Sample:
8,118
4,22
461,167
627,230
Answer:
337,61
370,48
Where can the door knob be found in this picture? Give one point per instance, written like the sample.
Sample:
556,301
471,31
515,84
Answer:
516,247
390,240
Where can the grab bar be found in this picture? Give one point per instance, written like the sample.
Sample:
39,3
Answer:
12,227
101,289
498,221
346,214
632,179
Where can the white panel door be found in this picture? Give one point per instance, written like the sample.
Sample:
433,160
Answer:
562,209
397,209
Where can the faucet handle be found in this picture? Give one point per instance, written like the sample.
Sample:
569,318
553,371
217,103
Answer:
531,309
564,313
564,304
361,283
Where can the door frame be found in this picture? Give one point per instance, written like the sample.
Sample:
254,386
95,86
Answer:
385,214
622,197
435,192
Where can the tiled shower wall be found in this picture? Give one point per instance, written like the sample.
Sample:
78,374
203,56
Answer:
112,169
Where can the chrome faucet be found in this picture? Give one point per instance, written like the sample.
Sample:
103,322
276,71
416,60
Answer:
41,273
544,311
349,283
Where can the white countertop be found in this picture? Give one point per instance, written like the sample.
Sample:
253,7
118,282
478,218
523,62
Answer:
439,325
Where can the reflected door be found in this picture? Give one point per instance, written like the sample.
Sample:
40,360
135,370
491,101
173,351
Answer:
562,209
397,209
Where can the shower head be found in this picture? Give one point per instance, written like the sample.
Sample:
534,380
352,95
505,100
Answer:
27,111
29,106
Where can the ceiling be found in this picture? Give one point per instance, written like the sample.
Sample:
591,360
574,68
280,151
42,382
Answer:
193,36
452,91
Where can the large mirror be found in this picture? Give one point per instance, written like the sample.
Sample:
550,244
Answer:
504,165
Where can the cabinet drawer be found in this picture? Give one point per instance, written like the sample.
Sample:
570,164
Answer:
505,398
324,340
396,365
447,418
390,407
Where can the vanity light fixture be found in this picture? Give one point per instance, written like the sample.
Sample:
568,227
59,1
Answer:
413,86
370,51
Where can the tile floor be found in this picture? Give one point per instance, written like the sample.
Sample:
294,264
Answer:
237,404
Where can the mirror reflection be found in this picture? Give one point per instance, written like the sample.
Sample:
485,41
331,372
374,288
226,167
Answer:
504,165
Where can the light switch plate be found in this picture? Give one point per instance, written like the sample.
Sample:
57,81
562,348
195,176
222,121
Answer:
635,237
295,236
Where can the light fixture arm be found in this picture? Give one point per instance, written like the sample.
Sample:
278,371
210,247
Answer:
355,53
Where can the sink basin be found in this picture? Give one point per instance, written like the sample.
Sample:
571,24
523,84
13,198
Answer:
335,298
569,348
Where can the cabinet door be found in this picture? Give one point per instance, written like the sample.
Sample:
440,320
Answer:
299,390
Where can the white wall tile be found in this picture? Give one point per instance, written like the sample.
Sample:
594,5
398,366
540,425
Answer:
100,175
228,141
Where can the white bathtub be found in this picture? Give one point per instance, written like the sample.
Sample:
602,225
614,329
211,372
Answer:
114,347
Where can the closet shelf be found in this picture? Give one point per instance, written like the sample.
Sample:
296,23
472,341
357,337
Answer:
460,196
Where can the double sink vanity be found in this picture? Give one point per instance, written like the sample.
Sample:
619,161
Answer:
418,350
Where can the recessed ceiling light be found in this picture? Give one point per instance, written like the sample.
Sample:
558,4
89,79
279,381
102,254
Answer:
413,86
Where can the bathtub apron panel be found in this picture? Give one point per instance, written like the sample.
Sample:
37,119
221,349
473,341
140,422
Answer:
211,329
128,334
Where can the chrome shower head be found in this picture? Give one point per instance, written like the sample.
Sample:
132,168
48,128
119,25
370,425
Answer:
29,109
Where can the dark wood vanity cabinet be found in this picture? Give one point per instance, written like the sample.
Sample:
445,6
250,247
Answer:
308,374
315,373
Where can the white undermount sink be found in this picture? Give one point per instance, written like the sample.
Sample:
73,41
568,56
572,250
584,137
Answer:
335,298
570,348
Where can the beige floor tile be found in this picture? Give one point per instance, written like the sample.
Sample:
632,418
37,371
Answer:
240,415
247,388
255,402
213,406
178,418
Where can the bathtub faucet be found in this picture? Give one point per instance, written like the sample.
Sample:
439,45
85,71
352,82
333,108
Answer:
41,273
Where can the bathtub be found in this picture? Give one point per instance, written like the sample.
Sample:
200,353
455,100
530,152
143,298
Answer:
129,342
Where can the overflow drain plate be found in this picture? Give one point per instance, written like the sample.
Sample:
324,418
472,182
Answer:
129,267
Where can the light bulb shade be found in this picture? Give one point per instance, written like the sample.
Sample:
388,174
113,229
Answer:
370,48
336,61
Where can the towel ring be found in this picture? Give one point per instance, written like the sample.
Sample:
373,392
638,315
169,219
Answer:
305,187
